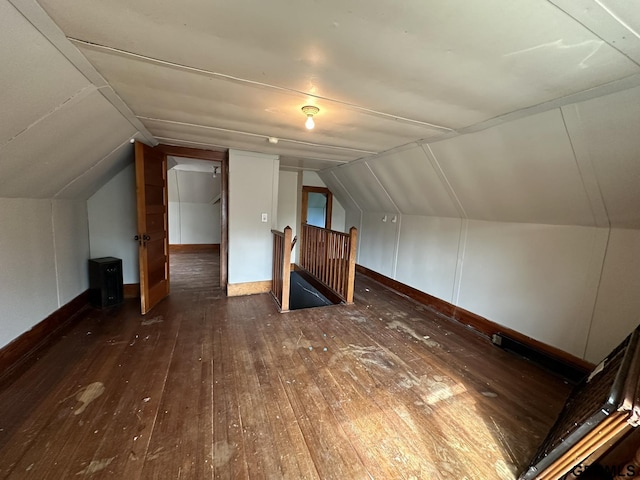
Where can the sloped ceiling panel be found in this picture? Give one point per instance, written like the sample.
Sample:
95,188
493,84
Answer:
61,147
193,187
414,185
521,171
89,182
365,189
35,79
491,57
339,191
611,130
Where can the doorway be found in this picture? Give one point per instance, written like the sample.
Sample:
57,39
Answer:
194,200
212,166
151,185
317,204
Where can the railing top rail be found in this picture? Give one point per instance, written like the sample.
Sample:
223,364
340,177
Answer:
306,225
279,233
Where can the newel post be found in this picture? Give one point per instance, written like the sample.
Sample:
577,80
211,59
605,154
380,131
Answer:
351,273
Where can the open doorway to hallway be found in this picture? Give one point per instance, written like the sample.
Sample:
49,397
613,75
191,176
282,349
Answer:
195,222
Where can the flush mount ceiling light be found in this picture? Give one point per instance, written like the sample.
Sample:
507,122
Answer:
310,111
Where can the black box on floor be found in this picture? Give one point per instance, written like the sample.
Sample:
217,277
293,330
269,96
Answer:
105,282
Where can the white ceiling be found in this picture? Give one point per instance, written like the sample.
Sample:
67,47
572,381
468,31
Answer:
426,108
231,74
193,165
190,186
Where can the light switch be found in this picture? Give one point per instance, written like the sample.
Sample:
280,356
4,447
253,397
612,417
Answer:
264,218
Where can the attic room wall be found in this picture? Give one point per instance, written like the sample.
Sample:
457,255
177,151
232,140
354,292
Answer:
44,250
194,217
253,190
113,222
513,222
288,198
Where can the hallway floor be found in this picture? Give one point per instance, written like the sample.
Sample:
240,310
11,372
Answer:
212,387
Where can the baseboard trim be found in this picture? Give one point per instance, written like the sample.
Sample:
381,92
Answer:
195,248
249,288
131,290
27,344
477,322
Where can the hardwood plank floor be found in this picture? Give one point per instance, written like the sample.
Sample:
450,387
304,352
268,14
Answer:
210,387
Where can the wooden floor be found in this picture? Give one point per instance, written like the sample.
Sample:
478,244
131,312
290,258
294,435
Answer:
210,387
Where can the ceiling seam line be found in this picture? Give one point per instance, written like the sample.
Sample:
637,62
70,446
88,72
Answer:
580,172
260,84
347,192
382,187
443,178
598,35
95,165
76,97
617,19
202,144
39,19
250,134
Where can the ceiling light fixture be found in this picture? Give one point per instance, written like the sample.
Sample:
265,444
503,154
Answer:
215,172
310,111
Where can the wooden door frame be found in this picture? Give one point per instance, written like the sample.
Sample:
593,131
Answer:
223,158
306,190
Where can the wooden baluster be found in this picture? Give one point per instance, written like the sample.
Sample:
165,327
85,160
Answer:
325,256
353,244
332,260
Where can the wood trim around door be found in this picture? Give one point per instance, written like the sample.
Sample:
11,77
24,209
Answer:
305,203
223,158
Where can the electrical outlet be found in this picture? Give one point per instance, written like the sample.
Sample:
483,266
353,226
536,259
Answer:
264,218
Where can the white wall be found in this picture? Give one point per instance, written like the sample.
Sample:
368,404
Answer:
194,223
253,190
194,208
429,258
288,198
43,252
540,280
71,238
113,223
617,309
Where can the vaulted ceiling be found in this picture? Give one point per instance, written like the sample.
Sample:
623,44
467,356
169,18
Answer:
80,78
